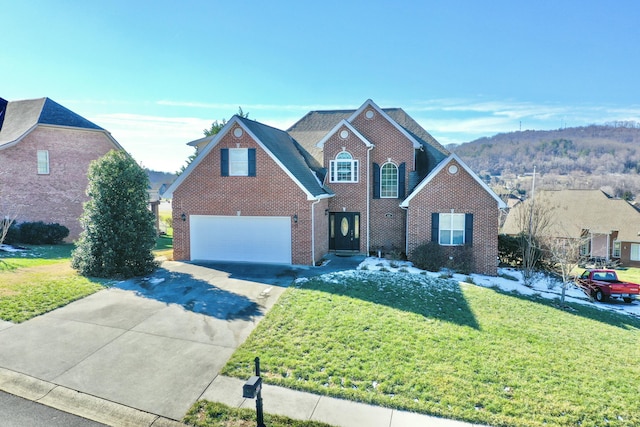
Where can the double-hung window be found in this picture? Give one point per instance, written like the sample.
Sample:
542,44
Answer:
43,162
344,168
616,250
389,181
238,162
451,229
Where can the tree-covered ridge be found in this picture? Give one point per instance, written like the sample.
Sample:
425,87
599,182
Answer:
605,157
597,149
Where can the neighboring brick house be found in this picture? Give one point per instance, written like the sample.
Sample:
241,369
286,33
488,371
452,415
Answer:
361,181
611,225
45,151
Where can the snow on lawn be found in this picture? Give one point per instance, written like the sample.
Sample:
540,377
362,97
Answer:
509,280
8,248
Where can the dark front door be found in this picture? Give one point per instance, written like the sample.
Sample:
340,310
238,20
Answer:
344,231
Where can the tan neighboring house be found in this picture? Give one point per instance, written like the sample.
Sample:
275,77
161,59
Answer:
612,225
45,151
355,181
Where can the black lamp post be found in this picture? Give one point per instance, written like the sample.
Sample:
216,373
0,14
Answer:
253,389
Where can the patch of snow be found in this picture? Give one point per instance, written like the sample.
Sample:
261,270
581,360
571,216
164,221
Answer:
9,248
542,286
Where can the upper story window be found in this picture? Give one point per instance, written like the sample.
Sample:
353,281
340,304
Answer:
389,181
238,162
43,162
344,168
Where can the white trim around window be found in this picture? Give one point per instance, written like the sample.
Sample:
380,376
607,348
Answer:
389,181
451,229
43,162
616,249
238,162
344,168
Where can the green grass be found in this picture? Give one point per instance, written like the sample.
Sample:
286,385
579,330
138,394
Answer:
630,275
452,350
209,414
35,256
40,280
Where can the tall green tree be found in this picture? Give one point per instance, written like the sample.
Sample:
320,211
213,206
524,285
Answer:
216,127
119,232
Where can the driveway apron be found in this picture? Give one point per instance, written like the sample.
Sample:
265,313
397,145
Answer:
154,344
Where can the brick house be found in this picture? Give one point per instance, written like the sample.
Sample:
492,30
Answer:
45,151
360,181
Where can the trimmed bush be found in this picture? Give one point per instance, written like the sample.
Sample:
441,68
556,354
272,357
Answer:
428,256
433,257
36,233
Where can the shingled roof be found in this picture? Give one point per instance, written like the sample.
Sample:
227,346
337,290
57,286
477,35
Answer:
283,149
314,126
20,117
577,210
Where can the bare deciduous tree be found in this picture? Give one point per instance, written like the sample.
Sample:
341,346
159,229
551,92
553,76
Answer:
564,256
534,218
8,214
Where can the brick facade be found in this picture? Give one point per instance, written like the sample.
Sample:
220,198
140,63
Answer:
371,137
59,195
270,193
461,193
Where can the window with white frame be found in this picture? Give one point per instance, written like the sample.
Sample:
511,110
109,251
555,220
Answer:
389,181
43,162
635,252
616,250
238,162
451,229
344,168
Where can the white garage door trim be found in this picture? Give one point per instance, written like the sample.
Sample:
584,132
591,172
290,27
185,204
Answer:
241,238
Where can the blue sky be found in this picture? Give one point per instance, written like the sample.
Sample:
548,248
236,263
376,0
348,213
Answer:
156,73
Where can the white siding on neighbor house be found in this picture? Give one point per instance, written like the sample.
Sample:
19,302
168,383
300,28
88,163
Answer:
241,238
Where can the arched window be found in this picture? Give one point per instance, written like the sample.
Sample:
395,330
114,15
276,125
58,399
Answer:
389,181
344,168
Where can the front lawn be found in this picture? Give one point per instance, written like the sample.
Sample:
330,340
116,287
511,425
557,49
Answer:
453,350
39,280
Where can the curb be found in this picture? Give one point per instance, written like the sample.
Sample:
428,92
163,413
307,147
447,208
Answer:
78,403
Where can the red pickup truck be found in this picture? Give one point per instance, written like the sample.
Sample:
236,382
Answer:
603,284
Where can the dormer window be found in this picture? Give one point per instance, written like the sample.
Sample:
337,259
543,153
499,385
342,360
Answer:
344,168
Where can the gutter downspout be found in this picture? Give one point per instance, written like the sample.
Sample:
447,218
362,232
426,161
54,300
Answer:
368,198
313,232
406,230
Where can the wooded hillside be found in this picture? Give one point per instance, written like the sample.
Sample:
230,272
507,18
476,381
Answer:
598,156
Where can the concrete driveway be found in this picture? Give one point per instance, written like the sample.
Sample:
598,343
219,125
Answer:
153,344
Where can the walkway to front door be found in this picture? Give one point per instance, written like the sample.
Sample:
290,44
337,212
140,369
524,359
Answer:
344,231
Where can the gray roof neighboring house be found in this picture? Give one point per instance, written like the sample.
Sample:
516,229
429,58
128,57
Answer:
573,211
20,117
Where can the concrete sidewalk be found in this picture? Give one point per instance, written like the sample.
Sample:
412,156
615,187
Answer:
141,353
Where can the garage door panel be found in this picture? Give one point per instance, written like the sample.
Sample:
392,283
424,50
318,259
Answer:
240,238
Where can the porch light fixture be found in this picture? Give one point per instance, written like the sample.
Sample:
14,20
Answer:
183,216
326,212
295,218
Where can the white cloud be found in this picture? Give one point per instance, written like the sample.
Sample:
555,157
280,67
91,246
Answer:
157,142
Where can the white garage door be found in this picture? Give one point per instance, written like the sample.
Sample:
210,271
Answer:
241,238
